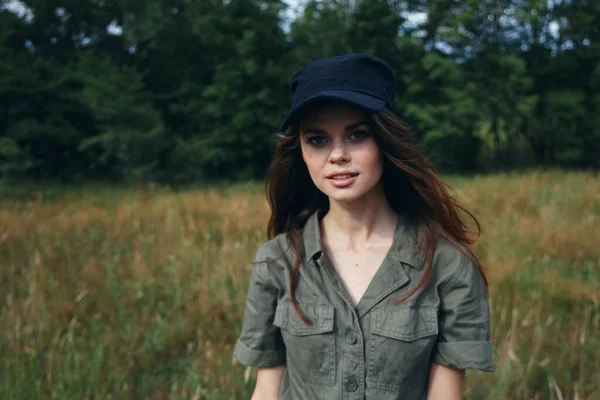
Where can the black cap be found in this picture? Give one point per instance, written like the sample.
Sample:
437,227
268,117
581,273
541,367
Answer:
360,79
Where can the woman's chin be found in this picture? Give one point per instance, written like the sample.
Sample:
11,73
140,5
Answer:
345,196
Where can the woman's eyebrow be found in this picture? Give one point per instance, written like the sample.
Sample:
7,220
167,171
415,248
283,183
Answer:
314,130
355,125
322,132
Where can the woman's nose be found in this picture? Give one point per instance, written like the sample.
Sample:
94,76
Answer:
338,154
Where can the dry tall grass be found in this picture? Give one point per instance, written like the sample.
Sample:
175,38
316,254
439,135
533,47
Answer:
139,293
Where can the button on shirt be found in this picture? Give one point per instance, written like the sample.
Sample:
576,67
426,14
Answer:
377,349
351,337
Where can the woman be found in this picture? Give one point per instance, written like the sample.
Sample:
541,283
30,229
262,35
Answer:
366,288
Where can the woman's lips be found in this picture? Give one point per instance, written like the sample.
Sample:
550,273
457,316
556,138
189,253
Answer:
342,182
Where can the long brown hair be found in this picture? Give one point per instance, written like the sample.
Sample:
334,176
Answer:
408,181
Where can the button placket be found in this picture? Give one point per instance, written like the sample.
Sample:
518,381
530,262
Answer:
351,336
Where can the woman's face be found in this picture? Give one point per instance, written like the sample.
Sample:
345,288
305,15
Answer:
340,151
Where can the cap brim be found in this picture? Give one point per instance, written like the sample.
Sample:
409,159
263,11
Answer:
362,100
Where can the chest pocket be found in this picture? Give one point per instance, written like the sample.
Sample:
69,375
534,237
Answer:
310,349
402,339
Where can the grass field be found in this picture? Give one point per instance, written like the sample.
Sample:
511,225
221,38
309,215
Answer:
139,293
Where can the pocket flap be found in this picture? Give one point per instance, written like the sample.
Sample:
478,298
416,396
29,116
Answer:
321,316
405,323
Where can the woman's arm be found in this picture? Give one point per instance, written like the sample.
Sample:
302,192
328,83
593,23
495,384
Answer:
445,383
268,381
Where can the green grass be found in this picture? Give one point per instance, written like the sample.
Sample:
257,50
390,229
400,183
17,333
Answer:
116,293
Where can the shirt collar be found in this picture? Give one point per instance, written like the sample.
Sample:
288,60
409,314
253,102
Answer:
311,237
405,248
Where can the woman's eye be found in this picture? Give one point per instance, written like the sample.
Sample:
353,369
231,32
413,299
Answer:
359,135
317,140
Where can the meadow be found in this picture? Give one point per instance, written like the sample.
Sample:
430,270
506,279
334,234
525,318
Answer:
116,293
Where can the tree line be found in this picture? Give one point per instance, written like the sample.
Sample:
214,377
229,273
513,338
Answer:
189,91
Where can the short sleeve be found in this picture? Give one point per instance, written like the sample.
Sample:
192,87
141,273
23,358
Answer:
464,321
260,343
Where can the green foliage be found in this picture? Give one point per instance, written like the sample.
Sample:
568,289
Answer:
126,135
242,110
441,101
321,31
15,161
180,91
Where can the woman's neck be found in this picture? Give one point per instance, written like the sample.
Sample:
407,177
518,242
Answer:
363,223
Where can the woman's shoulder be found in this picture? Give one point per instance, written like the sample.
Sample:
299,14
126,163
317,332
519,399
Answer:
449,252
446,252
272,249
274,260
451,263
281,247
